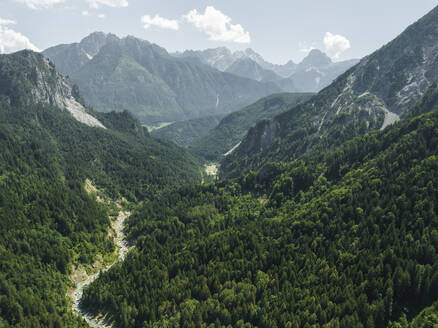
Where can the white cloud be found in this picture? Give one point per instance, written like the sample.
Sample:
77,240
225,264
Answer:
85,13
110,3
161,22
101,16
335,44
7,22
217,26
11,41
36,4
305,47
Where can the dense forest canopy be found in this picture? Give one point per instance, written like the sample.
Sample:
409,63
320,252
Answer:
343,239
47,219
325,216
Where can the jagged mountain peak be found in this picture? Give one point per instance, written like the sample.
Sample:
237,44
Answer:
94,38
250,53
315,58
371,95
93,42
134,74
219,50
315,72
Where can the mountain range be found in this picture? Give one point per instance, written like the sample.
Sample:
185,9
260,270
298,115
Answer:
313,73
135,75
371,95
324,214
132,74
330,220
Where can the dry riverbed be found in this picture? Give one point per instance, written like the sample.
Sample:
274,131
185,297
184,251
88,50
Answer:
81,279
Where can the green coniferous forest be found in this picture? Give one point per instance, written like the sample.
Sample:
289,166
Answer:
323,216
348,238
47,219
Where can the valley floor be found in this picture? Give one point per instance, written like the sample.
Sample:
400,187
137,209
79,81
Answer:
83,281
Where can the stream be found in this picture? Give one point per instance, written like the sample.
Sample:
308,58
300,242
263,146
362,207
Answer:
76,294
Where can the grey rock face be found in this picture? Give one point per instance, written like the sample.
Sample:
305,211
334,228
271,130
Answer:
53,88
372,95
40,82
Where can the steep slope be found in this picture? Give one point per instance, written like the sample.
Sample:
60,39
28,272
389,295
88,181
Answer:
26,78
141,77
348,238
231,130
48,221
371,95
211,137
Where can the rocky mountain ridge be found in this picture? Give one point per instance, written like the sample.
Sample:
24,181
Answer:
312,74
372,95
42,83
132,74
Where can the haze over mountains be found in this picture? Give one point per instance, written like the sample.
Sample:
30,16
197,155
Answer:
334,224
372,95
133,74
313,73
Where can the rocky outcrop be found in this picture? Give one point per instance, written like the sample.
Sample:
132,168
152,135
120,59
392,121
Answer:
29,78
51,87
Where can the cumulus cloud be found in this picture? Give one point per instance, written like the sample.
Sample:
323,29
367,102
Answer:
160,22
110,3
335,44
217,26
10,40
36,4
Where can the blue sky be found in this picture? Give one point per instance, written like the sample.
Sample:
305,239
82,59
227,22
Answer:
278,29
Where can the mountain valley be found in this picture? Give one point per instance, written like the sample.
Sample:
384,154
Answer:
262,195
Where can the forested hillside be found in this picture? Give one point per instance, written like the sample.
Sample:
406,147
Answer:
325,213
211,137
371,95
47,219
232,129
185,133
348,238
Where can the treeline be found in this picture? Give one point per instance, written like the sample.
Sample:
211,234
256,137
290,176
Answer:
348,238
